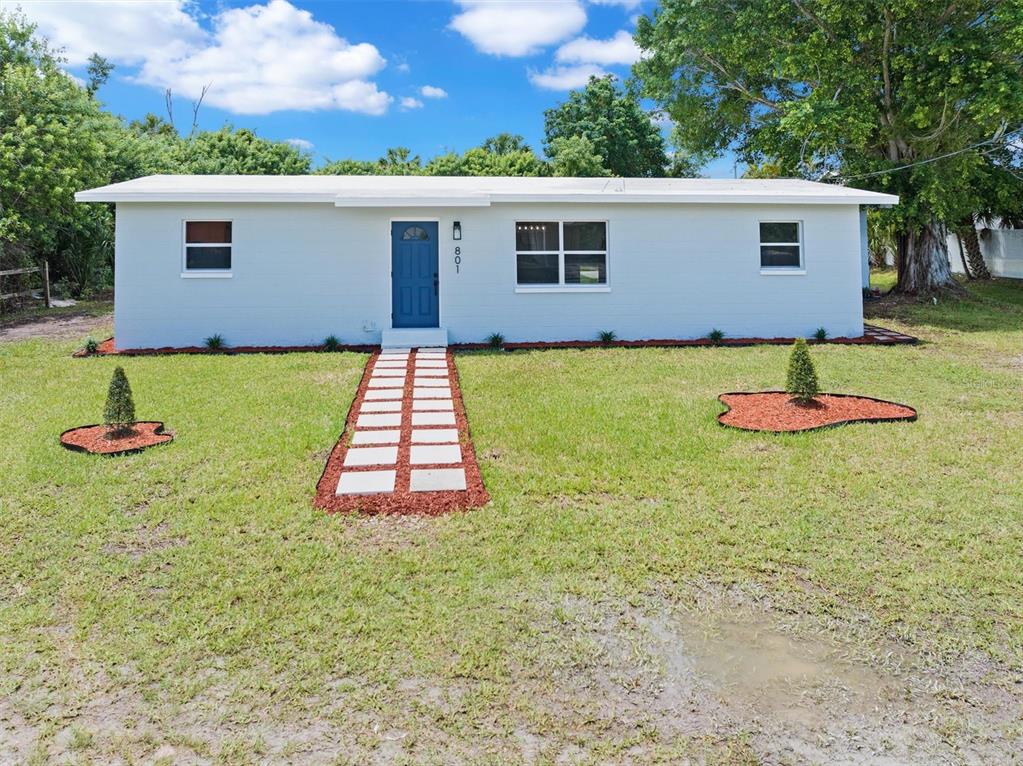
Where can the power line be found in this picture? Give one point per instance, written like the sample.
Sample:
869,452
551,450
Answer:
1002,138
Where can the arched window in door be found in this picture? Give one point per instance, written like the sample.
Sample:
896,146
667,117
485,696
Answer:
415,232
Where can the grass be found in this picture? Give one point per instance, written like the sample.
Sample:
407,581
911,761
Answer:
199,577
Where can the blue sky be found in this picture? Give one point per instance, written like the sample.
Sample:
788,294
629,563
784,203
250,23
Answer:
349,78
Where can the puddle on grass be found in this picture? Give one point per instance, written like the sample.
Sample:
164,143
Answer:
798,690
772,672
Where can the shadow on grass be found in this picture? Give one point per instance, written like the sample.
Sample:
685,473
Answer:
995,306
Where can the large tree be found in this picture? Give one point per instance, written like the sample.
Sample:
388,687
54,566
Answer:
611,118
892,95
54,140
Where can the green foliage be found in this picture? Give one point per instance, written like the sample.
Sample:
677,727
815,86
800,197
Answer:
607,337
501,155
575,156
801,381
495,340
616,125
716,336
91,346
119,412
215,342
56,139
331,343
821,333
229,151
845,88
99,72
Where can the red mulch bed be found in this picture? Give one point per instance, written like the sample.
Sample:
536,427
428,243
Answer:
94,439
107,348
775,411
403,502
872,336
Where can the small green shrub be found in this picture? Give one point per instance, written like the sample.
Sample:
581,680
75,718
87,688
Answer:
607,337
715,336
91,346
119,412
802,377
821,333
495,340
215,342
331,343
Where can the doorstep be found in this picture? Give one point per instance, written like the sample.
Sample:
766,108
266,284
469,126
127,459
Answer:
414,337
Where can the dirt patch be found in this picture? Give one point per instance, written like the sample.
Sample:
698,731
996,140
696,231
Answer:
797,689
63,326
776,411
95,438
143,540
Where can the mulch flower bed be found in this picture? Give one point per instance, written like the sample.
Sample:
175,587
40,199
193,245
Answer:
872,336
403,501
775,411
107,348
95,439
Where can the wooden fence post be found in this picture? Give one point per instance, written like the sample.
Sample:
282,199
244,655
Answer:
46,282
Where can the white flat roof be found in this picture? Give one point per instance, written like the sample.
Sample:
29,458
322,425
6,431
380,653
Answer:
477,191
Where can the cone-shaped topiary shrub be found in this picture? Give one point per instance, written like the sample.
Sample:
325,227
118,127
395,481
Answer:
802,377
119,414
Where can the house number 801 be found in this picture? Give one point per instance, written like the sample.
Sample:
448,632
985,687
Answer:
458,259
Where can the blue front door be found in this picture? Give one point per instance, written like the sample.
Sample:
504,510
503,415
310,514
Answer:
414,278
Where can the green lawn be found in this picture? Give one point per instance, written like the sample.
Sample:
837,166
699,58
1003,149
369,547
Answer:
192,592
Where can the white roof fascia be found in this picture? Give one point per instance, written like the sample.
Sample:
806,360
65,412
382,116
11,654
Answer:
397,200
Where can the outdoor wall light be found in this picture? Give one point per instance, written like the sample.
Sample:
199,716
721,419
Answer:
456,230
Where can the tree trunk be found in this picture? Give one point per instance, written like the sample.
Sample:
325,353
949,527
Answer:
923,261
968,236
962,256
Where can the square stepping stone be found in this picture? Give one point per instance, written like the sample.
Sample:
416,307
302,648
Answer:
391,406
377,437
372,456
431,393
434,435
431,382
432,350
384,382
389,372
429,372
402,363
430,418
431,454
424,355
437,480
365,482
432,363
387,351
384,393
431,404
384,420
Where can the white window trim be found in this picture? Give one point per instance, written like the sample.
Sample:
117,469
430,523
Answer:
792,271
561,286
187,273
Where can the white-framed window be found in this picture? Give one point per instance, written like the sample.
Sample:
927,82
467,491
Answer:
560,253
781,245
207,248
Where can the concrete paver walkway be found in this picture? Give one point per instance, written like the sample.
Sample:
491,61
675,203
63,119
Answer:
406,447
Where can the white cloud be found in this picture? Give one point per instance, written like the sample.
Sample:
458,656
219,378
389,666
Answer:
565,77
125,31
430,91
300,143
257,59
629,4
411,103
518,27
620,49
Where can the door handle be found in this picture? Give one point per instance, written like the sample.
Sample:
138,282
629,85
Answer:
436,283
